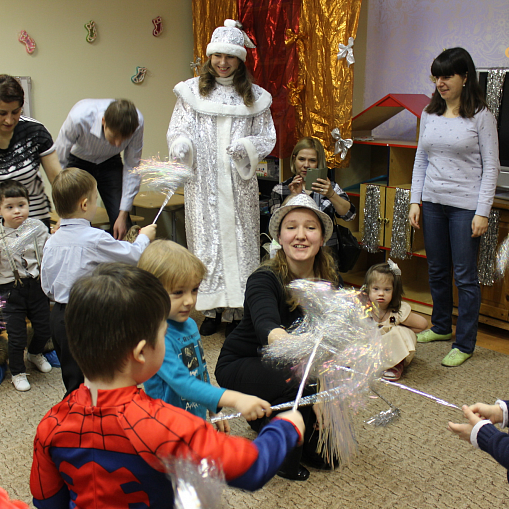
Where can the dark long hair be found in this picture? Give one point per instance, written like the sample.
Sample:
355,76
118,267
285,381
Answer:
242,81
457,61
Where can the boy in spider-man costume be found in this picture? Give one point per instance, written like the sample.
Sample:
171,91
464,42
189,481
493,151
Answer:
103,445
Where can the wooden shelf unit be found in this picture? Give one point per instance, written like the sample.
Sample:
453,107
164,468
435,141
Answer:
388,164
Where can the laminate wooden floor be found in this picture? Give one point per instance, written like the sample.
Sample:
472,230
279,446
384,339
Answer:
493,338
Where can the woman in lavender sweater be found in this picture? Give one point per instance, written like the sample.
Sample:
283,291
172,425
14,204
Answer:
455,176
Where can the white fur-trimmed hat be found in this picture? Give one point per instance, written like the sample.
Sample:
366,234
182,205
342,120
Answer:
300,201
230,40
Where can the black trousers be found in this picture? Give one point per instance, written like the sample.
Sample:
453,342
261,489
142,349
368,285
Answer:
109,175
71,372
252,376
25,300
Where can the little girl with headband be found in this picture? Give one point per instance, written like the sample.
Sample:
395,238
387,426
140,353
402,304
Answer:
398,323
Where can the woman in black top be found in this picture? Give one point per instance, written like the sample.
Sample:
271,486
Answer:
269,310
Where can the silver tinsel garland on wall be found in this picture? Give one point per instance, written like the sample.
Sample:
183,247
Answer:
487,250
494,87
400,239
372,219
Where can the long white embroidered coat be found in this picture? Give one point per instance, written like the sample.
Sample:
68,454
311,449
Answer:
221,200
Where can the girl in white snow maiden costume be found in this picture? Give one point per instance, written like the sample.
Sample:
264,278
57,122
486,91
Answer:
222,127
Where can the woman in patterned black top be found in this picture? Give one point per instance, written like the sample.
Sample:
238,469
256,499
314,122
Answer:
24,145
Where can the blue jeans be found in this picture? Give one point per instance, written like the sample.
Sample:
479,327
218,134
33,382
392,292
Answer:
449,245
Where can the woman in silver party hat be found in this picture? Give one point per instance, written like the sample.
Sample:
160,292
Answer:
270,310
222,127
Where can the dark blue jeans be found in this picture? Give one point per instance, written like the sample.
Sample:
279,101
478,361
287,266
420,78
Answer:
109,183
451,248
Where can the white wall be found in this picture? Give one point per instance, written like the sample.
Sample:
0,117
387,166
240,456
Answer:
65,68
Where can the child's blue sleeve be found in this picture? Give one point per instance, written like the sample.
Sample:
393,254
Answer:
177,376
495,442
59,500
274,442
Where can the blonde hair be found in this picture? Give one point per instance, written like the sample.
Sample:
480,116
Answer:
70,187
171,263
311,143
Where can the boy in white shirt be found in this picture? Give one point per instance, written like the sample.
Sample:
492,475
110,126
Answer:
74,251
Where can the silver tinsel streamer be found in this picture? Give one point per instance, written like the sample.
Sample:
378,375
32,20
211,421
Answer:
386,416
336,329
195,485
487,250
372,220
331,394
503,257
401,228
494,88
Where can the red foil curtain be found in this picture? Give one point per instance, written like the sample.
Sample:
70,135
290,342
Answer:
295,60
273,63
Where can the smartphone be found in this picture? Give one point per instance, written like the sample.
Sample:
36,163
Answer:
315,173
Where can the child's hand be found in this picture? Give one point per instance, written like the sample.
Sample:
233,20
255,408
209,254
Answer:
296,417
149,231
464,430
252,407
492,412
55,227
221,426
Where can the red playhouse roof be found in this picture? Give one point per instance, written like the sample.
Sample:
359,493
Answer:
386,108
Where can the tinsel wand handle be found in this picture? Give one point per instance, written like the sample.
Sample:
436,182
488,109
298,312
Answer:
329,395
306,401
166,200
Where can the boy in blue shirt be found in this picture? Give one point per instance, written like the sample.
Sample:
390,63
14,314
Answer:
74,251
183,379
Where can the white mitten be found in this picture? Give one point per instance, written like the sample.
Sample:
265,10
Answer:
237,152
179,150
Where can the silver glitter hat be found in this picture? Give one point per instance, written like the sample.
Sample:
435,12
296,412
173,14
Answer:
300,201
230,40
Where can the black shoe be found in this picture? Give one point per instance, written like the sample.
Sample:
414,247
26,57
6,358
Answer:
301,474
230,327
316,462
209,326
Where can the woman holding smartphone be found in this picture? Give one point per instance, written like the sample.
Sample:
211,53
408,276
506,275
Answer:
308,153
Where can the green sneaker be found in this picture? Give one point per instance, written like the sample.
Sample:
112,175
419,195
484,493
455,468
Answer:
455,358
427,336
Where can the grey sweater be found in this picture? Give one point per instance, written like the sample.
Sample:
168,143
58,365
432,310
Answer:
457,162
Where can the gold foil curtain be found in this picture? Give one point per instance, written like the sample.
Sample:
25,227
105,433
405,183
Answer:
328,82
323,92
207,16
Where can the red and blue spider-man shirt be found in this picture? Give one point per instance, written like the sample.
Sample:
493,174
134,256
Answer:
109,456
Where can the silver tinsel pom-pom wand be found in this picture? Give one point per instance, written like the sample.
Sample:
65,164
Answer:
163,176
